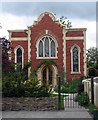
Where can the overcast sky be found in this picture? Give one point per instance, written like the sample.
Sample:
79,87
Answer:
19,15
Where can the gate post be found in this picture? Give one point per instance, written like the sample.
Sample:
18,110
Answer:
59,92
92,90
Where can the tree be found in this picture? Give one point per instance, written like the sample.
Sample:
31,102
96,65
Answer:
65,22
92,57
7,65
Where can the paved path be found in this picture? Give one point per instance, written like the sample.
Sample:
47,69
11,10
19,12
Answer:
71,105
78,112
47,114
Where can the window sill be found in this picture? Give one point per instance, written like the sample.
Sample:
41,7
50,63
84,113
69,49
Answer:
75,72
46,57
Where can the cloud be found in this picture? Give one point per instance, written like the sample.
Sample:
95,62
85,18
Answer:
83,10
90,33
10,22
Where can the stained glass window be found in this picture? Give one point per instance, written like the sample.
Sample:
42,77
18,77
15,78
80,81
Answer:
52,49
47,47
19,57
75,60
40,49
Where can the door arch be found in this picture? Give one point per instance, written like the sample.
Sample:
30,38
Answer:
47,75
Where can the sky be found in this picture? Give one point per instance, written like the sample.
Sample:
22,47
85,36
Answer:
19,15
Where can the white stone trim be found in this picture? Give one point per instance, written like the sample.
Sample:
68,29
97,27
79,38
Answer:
74,38
77,29
64,50
79,50
84,44
29,49
46,57
20,30
15,52
75,72
43,14
19,39
10,34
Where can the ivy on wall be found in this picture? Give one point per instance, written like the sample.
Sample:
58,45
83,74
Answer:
43,62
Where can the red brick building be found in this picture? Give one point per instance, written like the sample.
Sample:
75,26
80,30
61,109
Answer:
47,40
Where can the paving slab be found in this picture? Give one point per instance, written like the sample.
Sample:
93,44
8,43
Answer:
46,114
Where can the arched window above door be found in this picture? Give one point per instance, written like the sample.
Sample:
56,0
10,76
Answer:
46,47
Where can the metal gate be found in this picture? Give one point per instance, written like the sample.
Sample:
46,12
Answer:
71,92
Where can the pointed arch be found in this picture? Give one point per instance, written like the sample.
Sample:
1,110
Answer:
75,59
46,47
19,55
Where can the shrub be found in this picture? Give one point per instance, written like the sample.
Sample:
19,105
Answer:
72,87
33,88
11,88
91,72
82,99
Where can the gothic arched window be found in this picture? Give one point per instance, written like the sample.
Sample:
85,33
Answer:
46,47
19,57
52,49
75,58
40,49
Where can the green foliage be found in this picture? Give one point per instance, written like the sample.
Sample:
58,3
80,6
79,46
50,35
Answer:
91,107
43,62
65,22
95,65
69,87
63,74
82,99
91,72
92,56
16,85
62,103
11,86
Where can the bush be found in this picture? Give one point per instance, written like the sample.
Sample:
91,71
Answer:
11,88
30,88
82,99
72,87
91,72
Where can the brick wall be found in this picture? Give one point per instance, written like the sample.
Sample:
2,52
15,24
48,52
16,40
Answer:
23,44
55,30
69,44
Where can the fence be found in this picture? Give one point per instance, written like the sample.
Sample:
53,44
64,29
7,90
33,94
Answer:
87,88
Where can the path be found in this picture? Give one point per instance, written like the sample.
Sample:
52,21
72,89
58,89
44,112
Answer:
78,112
71,105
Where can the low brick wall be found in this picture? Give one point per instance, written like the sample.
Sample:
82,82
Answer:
30,104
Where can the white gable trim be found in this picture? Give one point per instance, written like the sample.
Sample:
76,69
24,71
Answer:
74,38
19,39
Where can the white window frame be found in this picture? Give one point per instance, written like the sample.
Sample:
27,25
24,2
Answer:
37,47
79,51
15,52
